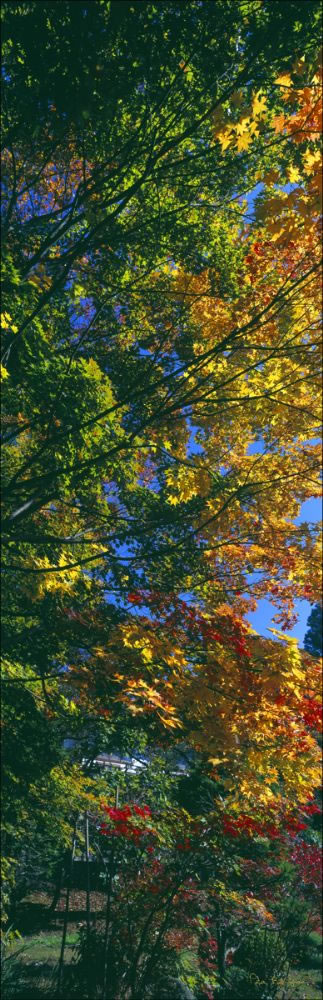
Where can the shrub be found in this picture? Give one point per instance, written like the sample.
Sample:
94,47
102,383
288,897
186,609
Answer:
86,972
263,955
85,976
240,984
295,919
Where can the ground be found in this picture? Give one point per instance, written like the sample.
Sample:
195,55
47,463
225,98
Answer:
304,984
41,932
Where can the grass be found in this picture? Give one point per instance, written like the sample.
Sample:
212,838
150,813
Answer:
41,929
40,945
38,957
44,947
304,984
41,951
38,948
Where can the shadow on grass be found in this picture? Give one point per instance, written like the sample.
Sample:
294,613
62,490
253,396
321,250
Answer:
34,917
31,981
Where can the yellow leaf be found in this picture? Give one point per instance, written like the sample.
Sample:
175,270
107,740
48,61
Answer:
3,372
259,104
147,655
298,673
294,175
243,125
99,651
284,80
225,139
254,130
5,321
310,160
243,142
172,723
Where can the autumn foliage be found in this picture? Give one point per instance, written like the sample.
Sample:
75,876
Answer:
161,378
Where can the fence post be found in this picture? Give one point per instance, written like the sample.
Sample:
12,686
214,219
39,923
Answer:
87,861
68,886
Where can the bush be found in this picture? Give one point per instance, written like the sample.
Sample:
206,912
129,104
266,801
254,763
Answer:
84,976
295,918
303,952
262,955
240,984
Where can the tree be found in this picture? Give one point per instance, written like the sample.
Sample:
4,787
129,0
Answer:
161,337
313,635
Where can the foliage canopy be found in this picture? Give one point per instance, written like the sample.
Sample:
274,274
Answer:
161,371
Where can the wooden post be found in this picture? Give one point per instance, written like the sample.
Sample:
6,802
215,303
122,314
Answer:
68,886
108,911
87,861
58,887
107,923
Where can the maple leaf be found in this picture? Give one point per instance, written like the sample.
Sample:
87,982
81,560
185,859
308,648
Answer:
272,177
5,321
294,175
243,125
173,723
225,138
243,142
279,122
284,80
311,160
259,104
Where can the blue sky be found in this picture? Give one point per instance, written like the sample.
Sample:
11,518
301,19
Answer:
311,511
261,619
